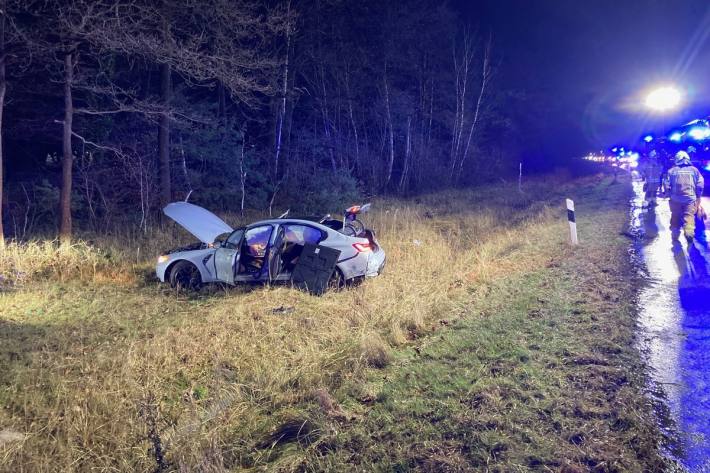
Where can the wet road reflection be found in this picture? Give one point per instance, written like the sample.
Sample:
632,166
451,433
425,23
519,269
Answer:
675,324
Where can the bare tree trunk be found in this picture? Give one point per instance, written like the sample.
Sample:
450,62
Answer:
284,91
84,169
485,78
289,131
326,121
460,82
273,197
164,139
390,162
242,177
3,87
431,115
142,185
407,157
369,167
338,134
427,147
352,119
185,174
65,223
462,72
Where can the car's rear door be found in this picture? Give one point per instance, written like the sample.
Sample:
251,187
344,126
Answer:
226,257
295,236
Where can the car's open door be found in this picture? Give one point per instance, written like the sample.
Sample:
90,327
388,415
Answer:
275,262
226,257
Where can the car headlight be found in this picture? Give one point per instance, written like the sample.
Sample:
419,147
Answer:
163,258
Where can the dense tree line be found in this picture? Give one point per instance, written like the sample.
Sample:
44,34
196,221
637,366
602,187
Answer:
112,108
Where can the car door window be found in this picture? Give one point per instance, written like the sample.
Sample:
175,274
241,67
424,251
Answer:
257,240
302,234
295,236
254,246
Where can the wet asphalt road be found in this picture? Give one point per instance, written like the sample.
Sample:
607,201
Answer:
675,325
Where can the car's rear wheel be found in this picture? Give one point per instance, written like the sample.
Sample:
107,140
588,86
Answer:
337,280
185,276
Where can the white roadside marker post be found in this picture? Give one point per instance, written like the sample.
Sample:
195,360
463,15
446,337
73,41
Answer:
572,222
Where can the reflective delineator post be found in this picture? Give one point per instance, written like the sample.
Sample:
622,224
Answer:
572,222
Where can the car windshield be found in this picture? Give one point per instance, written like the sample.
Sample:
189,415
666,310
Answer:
234,239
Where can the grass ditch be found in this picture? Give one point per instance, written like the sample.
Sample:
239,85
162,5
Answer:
475,349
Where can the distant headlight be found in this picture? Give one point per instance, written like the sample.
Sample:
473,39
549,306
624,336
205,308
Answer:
163,258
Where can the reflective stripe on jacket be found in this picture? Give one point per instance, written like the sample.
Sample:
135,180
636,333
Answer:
685,183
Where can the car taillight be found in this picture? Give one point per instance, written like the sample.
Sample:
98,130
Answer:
362,247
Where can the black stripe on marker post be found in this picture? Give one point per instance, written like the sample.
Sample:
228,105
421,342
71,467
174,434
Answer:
571,218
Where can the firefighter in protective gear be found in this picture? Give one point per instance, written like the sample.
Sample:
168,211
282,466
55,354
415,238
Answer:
651,171
685,187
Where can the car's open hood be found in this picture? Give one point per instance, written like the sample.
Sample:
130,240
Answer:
202,223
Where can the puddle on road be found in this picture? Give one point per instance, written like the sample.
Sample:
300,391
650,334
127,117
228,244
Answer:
674,319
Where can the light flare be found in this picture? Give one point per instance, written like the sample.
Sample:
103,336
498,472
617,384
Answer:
675,136
663,99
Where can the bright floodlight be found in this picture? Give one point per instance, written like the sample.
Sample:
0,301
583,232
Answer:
663,99
699,133
648,138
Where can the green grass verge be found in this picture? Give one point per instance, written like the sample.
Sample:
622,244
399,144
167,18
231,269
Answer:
541,374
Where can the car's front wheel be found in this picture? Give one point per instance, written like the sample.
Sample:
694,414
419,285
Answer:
185,276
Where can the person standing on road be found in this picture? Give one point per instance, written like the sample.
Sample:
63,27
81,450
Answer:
651,171
685,187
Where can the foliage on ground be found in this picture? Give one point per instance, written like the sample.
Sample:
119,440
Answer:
487,343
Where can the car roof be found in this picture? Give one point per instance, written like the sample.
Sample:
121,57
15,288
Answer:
282,221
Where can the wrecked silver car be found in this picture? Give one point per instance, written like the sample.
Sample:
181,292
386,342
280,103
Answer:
267,250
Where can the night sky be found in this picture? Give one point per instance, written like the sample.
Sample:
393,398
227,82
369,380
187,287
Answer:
591,62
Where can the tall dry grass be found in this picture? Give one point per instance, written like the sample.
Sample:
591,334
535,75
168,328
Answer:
103,369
